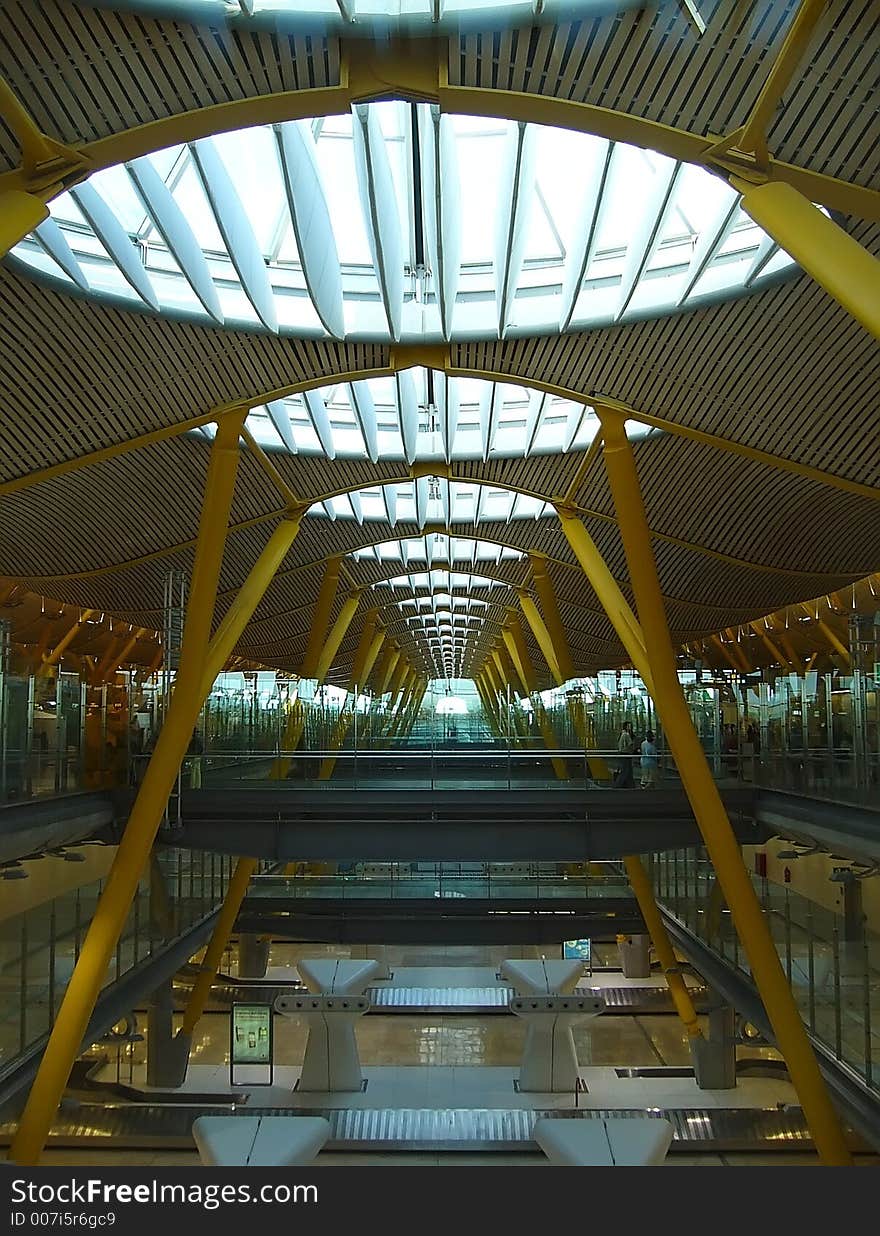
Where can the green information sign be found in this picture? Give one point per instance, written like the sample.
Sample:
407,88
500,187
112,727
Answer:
577,948
250,1047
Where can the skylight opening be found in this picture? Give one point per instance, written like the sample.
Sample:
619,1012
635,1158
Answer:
310,228
422,416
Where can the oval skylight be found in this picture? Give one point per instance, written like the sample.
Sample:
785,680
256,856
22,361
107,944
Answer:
421,415
432,500
371,18
396,222
438,547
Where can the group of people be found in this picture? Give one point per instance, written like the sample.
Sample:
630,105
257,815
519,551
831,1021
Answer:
624,777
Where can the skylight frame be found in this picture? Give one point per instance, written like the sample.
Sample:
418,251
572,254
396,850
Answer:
512,290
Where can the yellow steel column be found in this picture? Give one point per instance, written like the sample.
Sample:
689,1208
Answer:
248,597
358,666
768,642
400,682
845,270
515,660
508,668
545,725
372,656
607,590
408,717
110,664
835,643
706,803
415,706
337,634
389,668
58,651
541,634
754,133
493,678
20,213
146,814
406,697
380,666
728,656
321,616
238,886
225,638
488,704
499,666
545,641
552,617
681,997
367,651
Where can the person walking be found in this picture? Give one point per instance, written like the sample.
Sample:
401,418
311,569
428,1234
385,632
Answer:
626,745
648,761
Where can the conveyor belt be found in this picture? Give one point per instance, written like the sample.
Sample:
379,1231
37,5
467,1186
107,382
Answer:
439,999
633,1001
424,1129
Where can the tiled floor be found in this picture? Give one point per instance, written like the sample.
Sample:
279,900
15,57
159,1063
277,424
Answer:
148,1158
466,1061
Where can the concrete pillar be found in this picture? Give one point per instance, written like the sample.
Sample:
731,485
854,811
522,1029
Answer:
853,914
163,1065
635,956
714,1055
253,955
331,1060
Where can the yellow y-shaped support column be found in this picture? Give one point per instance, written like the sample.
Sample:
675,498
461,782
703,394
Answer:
58,651
364,658
525,671
485,694
388,668
706,802
198,998
406,698
552,617
146,814
415,705
844,269
321,617
541,634
337,634
226,637
681,997
296,721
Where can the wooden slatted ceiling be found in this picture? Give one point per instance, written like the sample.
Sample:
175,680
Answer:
85,73
785,370
148,500
82,376
652,63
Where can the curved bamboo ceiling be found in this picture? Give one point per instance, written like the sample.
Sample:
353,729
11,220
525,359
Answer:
784,371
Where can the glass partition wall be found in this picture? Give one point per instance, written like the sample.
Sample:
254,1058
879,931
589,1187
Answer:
816,733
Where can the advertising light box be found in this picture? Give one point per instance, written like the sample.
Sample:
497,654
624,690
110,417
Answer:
250,1045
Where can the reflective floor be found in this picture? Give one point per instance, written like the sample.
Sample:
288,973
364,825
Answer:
454,1060
424,1060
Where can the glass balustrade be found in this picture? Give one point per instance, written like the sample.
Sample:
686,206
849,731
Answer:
816,734
40,946
833,966
534,883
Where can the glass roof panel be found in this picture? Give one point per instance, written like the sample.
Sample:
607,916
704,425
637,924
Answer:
517,253
458,419
373,17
